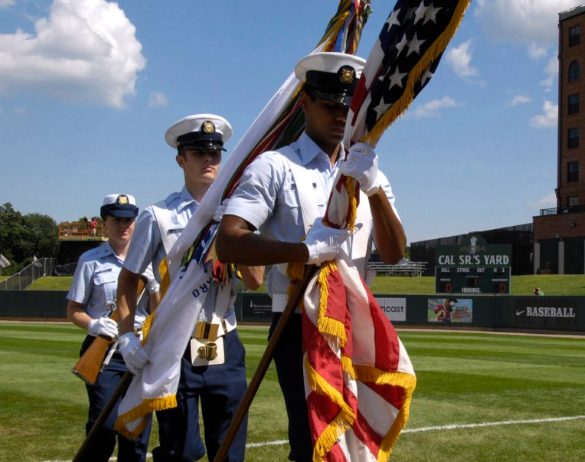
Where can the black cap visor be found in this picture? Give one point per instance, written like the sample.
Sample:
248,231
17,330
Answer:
200,141
342,98
119,211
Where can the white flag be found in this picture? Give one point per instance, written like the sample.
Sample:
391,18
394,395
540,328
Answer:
4,262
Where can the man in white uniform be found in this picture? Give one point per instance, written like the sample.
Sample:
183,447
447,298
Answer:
282,193
199,141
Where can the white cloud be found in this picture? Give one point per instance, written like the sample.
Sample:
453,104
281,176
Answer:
432,108
546,202
552,71
459,58
536,51
84,51
6,3
518,100
531,22
548,118
157,99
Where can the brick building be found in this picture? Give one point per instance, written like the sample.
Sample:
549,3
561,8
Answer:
559,233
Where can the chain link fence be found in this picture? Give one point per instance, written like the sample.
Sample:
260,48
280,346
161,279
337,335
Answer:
27,275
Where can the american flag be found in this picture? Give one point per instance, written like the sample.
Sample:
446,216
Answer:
359,379
401,63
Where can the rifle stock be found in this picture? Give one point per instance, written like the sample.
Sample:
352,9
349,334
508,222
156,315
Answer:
88,366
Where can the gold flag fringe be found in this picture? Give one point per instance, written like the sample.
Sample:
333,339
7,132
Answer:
325,324
147,407
342,422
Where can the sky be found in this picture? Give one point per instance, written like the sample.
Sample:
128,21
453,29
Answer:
88,88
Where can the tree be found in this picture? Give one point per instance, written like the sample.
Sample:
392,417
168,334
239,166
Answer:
22,237
42,234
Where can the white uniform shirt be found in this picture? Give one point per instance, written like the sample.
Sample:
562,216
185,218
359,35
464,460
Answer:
146,246
266,197
95,282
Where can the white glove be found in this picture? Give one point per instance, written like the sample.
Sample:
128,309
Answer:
324,242
219,211
362,164
104,327
134,355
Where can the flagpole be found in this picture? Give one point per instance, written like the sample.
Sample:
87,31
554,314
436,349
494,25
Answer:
263,365
81,454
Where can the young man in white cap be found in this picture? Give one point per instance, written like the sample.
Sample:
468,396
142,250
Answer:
283,193
92,298
199,141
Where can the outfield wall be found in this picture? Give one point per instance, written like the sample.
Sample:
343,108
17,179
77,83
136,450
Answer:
479,311
33,304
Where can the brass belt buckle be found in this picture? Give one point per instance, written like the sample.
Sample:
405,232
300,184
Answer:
206,330
208,351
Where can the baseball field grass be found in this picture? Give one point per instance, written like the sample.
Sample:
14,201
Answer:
479,397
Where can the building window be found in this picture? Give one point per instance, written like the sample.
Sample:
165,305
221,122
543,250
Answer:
573,141
572,171
574,71
574,35
574,103
572,201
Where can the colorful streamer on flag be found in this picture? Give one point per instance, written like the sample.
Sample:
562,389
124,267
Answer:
359,378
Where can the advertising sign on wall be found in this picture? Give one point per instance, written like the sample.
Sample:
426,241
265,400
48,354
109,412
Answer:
450,310
546,313
393,308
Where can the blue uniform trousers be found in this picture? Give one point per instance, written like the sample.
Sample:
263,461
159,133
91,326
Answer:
99,395
220,389
288,359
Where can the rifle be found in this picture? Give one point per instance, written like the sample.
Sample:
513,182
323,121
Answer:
89,365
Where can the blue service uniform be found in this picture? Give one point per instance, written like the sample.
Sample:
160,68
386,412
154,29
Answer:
267,198
219,387
94,285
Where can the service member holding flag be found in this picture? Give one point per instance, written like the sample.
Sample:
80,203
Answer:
283,194
212,368
92,298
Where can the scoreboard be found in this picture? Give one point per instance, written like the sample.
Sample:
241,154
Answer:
473,267
472,279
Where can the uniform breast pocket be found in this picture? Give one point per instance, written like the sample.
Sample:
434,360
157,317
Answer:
287,211
290,198
106,283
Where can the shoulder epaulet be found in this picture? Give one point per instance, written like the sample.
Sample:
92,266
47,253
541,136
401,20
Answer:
100,251
171,197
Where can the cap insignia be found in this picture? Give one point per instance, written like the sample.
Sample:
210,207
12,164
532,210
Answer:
346,74
208,127
122,199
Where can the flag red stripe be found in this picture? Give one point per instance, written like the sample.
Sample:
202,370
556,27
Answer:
386,339
367,434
